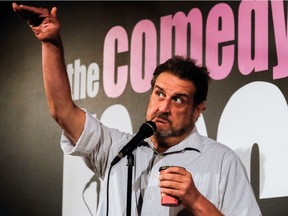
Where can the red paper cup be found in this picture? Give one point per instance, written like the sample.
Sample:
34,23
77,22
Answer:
168,200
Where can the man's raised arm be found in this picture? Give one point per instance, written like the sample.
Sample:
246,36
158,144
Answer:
46,27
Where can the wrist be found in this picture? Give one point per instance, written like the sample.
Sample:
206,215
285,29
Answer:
57,41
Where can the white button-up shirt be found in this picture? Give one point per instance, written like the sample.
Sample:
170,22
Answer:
216,170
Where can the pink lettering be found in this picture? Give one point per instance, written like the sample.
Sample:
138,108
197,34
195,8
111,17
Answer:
280,30
116,41
144,34
220,31
253,52
180,23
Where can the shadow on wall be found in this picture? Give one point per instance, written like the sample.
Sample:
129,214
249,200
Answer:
94,179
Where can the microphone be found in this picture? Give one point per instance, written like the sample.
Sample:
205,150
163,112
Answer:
146,130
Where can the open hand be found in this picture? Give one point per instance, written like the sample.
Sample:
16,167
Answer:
44,24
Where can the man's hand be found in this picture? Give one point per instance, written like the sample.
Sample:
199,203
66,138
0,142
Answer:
44,24
178,182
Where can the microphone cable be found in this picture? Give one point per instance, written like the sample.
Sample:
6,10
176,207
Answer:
107,191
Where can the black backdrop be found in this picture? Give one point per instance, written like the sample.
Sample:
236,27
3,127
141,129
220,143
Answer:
31,159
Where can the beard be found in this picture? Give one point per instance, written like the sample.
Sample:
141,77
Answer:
172,132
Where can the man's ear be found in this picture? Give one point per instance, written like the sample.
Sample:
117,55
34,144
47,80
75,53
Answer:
198,110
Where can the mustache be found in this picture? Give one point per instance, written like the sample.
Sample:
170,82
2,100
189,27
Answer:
160,115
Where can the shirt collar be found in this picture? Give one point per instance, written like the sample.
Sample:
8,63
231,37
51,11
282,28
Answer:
192,141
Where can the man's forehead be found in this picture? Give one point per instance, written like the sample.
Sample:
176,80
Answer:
170,82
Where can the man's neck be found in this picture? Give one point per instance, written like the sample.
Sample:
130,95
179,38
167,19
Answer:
162,144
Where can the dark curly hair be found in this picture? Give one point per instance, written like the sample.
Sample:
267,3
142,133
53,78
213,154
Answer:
186,69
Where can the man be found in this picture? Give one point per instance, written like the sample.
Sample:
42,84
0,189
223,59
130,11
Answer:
207,177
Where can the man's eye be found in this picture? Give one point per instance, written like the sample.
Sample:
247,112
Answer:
178,100
160,94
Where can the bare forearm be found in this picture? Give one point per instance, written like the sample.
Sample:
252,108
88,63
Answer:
55,78
58,92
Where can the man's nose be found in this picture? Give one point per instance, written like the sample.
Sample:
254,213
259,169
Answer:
165,106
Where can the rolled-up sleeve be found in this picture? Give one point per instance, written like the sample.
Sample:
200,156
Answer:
87,141
97,144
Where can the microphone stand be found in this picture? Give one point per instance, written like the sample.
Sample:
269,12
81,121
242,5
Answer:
130,164
146,130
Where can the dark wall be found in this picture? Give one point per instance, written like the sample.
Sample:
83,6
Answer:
31,160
